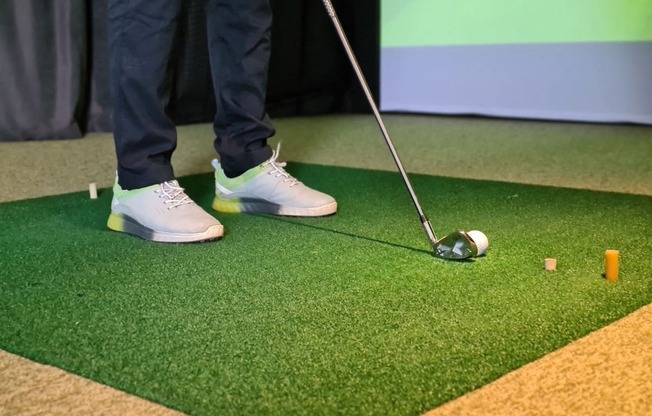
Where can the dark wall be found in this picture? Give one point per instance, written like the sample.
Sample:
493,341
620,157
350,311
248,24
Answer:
42,69
309,70
54,65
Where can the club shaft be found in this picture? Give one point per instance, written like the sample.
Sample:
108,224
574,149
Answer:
363,82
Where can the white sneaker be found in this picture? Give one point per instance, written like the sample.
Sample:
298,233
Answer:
269,189
162,213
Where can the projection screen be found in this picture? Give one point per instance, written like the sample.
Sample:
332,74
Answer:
579,60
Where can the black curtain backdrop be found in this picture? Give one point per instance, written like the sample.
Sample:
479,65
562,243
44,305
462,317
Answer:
54,65
42,68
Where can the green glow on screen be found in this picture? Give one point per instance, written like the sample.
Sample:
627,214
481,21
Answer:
478,22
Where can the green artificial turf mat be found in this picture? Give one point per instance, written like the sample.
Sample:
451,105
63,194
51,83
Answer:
349,314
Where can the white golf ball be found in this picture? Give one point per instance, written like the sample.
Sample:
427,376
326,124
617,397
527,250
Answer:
480,240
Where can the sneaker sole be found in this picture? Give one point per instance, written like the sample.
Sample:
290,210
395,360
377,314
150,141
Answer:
236,206
125,224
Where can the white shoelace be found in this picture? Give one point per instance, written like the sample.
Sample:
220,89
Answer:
175,195
277,168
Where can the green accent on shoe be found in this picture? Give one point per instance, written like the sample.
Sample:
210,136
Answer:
115,222
222,179
232,206
120,193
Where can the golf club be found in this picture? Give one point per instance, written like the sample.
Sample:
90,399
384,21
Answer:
455,246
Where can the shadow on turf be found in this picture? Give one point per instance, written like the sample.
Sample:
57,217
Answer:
387,243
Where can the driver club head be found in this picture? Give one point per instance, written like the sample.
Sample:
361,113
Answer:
455,246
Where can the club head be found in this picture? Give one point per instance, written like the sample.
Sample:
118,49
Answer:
455,246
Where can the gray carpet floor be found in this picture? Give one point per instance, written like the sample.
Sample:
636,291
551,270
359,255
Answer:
615,158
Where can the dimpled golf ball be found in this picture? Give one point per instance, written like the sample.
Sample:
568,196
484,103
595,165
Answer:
480,240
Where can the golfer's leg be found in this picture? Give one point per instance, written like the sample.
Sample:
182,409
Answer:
141,34
239,46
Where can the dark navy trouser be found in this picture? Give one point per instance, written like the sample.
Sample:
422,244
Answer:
141,38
